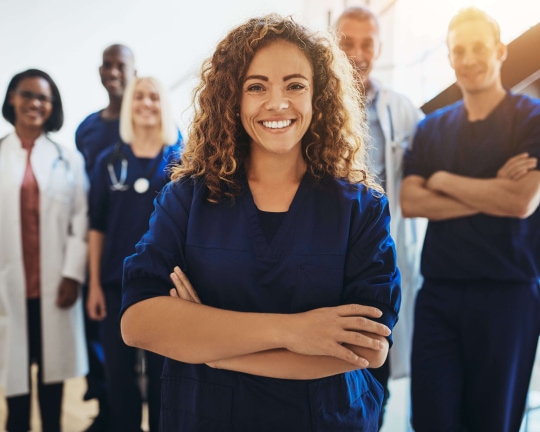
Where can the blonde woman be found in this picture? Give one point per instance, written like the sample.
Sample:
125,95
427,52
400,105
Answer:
126,179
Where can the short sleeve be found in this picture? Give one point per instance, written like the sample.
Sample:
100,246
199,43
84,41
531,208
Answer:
161,248
528,139
371,275
414,159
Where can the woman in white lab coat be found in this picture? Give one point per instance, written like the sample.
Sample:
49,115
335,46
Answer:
43,228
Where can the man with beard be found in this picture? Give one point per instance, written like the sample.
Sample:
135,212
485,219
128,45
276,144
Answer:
97,132
392,120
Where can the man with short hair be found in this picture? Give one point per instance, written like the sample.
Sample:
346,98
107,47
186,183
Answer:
97,132
392,121
101,129
473,173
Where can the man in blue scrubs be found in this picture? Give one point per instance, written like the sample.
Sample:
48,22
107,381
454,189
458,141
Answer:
473,173
392,120
97,132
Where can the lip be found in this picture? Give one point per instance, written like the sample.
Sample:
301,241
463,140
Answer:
277,124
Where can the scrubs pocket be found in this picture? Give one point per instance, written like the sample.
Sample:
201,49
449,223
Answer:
193,406
346,403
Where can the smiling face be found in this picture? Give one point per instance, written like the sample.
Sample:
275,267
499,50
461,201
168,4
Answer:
146,106
360,41
276,103
32,104
476,56
117,70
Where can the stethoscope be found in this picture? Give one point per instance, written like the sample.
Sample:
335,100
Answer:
118,184
61,178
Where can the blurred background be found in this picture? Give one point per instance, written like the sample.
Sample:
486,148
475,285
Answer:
170,39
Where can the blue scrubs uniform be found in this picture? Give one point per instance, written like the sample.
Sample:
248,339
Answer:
94,135
332,247
122,215
477,317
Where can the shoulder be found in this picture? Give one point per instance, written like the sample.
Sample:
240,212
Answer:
355,194
399,105
525,103
442,116
89,121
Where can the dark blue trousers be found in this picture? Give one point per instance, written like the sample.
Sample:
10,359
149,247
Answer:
474,346
124,394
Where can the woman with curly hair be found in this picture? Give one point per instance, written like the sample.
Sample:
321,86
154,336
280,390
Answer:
278,242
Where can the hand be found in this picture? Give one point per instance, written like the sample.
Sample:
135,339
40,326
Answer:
95,303
182,287
517,167
68,292
326,331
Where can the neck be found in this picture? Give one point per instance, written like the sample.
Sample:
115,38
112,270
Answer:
112,111
479,105
273,169
147,142
28,133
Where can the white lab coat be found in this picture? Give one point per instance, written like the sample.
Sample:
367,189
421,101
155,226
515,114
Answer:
63,250
398,119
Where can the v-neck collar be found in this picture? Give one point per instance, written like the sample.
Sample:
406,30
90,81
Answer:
276,247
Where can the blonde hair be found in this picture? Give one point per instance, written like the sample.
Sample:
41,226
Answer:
218,146
169,132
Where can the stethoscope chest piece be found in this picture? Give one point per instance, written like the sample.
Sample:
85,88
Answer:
141,185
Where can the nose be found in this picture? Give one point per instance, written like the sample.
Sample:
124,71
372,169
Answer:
468,58
115,72
277,100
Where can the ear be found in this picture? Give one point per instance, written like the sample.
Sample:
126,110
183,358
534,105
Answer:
502,52
450,60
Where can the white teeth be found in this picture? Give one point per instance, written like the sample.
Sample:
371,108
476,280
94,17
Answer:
277,124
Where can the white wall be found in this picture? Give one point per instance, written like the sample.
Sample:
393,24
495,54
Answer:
170,39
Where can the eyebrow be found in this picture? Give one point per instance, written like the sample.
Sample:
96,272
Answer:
285,78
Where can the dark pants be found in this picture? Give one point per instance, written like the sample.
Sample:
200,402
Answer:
382,375
49,395
125,400
95,379
474,346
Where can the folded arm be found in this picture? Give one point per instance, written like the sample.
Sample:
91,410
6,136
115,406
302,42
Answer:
495,196
417,200
282,363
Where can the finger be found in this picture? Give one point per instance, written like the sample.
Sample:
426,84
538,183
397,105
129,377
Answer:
179,286
365,324
358,310
183,293
349,356
173,293
361,339
187,284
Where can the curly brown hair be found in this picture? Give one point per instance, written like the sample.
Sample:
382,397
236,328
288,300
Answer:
218,146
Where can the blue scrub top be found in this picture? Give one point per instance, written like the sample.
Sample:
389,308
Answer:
479,247
122,215
94,135
333,247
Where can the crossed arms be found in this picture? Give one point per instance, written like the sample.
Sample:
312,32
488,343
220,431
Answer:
514,192
315,344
